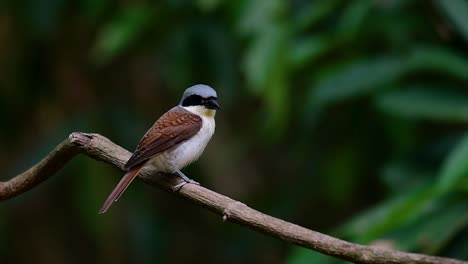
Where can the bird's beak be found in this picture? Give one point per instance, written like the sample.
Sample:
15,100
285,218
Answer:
212,103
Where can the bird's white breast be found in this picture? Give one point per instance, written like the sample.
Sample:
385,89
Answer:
191,149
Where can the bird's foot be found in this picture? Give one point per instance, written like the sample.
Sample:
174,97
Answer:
186,180
181,184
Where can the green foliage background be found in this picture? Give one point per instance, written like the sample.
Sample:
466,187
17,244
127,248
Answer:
347,117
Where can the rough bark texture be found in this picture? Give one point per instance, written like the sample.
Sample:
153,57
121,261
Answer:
101,148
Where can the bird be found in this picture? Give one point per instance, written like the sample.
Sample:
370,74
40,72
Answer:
175,140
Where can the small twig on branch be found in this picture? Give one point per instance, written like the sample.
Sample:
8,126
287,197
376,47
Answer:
101,148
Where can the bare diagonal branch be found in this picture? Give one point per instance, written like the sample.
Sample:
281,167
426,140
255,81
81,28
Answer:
101,148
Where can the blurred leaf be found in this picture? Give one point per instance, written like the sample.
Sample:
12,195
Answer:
425,103
434,229
457,12
360,78
307,50
307,256
266,58
401,176
313,13
393,212
356,79
353,18
260,16
208,5
266,63
458,247
277,98
439,60
455,167
267,68
121,32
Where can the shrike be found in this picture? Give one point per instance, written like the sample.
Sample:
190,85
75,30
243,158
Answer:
175,140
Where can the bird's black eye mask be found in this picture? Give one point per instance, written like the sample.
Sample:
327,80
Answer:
194,100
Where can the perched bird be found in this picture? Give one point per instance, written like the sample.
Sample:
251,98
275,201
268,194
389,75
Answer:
175,140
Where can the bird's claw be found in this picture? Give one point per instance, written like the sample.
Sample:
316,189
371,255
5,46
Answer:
181,184
186,180
178,186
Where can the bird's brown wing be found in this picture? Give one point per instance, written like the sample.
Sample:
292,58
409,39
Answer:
171,129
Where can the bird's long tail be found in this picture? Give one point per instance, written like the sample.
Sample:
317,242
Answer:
120,188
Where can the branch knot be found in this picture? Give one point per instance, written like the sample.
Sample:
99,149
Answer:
231,208
82,140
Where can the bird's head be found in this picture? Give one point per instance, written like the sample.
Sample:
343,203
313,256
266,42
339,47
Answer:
200,99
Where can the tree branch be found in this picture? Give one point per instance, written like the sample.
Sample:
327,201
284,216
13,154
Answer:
101,148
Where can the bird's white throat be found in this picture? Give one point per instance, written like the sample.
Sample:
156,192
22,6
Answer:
200,110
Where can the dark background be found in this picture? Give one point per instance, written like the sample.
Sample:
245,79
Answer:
346,117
